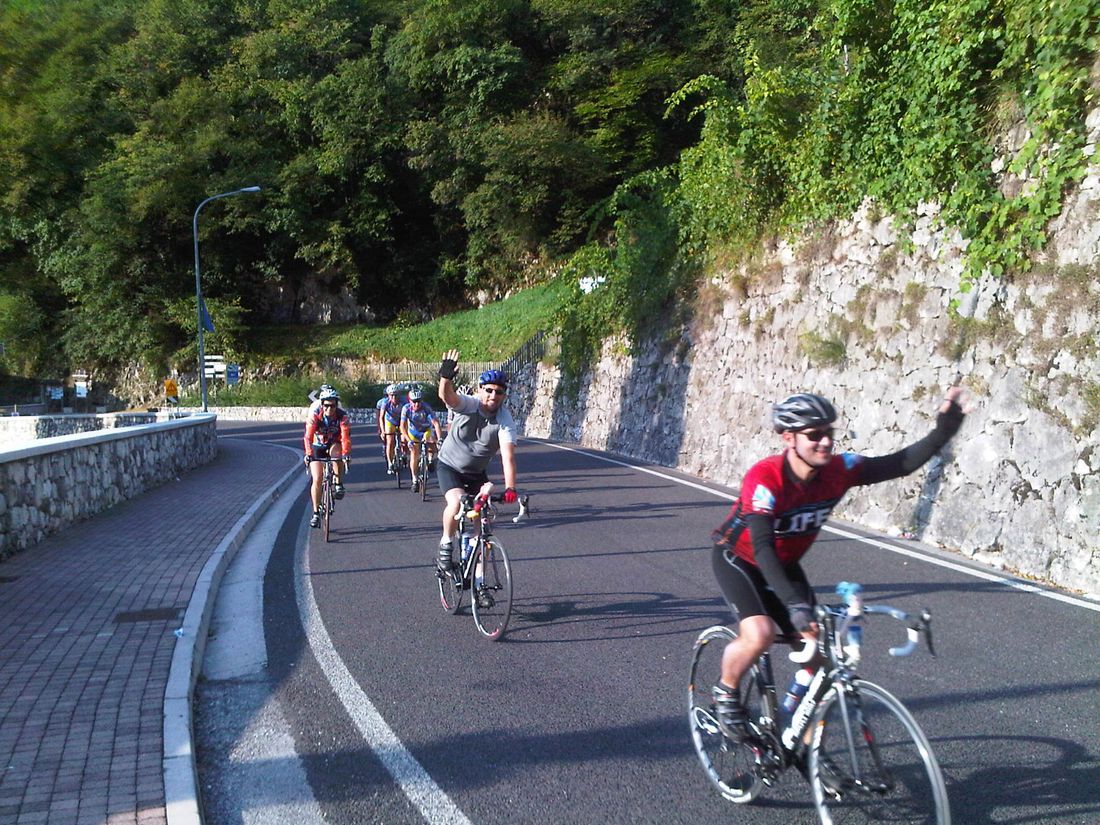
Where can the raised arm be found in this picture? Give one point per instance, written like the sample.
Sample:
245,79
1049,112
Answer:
448,369
908,459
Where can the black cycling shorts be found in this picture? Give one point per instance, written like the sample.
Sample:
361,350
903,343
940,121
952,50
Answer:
450,478
748,594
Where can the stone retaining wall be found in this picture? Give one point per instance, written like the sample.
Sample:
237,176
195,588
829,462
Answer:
874,319
20,429
54,482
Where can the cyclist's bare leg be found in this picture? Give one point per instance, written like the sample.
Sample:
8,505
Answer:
414,448
391,445
454,502
316,470
755,634
338,467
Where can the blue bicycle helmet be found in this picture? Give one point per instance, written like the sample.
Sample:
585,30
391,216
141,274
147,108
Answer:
493,377
328,394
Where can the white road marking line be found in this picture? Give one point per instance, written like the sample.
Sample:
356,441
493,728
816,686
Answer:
432,802
893,548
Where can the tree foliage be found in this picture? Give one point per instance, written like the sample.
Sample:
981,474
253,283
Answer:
418,153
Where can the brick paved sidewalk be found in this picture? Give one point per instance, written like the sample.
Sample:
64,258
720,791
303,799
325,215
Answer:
86,643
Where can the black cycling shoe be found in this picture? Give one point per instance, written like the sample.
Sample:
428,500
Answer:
731,714
338,491
484,598
444,561
315,520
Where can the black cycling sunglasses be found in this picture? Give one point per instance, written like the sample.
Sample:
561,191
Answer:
495,391
817,435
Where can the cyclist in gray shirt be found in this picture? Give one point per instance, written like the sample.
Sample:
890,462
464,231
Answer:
480,428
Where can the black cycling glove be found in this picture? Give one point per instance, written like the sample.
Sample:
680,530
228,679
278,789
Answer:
802,616
448,368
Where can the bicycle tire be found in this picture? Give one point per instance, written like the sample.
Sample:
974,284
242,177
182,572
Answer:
450,589
730,766
327,500
423,472
496,582
894,776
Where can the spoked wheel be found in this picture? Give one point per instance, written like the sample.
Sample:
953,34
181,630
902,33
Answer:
871,762
327,505
732,767
398,466
450,589
423,472
492,598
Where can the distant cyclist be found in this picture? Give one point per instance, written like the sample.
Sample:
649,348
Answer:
418,424
784,501
328,435
481,427
389,423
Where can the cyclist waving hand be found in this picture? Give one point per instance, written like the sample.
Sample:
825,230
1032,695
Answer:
784,501
481,427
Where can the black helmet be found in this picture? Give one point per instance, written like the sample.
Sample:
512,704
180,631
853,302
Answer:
802,411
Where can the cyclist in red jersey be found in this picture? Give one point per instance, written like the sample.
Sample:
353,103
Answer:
328,435
784,501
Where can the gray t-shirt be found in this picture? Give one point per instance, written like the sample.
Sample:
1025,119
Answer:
474,438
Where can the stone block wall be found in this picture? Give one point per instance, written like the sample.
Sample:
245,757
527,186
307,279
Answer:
53,483
876,321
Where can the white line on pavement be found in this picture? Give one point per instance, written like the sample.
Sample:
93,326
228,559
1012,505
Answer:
893,548
432,802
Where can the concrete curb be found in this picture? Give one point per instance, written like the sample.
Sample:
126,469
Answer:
181,790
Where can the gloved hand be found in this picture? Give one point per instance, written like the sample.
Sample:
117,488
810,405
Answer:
802,616
448,367
510,495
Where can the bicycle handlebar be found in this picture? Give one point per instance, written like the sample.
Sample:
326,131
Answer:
485,494
915,628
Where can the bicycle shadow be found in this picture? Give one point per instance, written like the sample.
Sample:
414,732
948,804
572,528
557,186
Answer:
629,613
1063,786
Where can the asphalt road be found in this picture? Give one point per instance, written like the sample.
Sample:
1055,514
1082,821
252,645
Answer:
578,715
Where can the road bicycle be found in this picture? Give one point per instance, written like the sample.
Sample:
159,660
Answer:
328,493
400,459
483,567
422,471
865,756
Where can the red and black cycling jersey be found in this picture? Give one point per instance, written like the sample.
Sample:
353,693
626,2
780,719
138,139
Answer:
326,430
797,509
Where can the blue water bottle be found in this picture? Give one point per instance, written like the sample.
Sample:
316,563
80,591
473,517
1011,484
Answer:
852,594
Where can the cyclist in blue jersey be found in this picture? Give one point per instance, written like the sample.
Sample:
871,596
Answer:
417,425
388,415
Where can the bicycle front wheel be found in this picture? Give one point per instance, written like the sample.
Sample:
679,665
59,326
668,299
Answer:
492,595
730,766
423,472
327,504
871,762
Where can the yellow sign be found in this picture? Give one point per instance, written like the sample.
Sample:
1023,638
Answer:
171,391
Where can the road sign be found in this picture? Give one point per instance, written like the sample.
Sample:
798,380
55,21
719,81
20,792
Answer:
232,373
214,366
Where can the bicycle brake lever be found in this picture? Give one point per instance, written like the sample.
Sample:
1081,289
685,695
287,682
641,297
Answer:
523,511
926,626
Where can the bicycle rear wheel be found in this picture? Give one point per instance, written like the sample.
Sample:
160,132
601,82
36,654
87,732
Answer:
492,600
450,589
732,767
871,762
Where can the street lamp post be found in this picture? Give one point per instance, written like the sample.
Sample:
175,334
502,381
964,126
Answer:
198,283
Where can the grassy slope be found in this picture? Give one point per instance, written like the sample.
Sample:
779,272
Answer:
492,332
